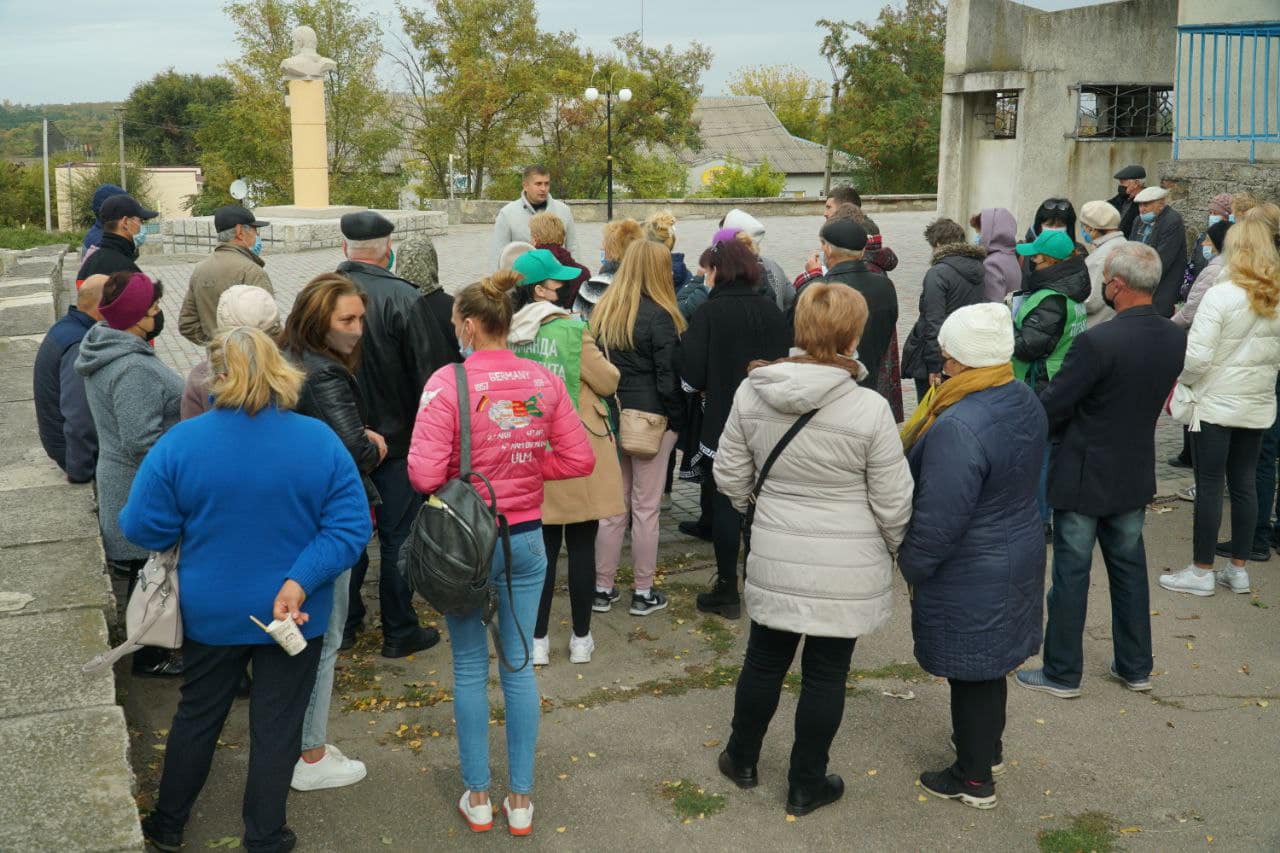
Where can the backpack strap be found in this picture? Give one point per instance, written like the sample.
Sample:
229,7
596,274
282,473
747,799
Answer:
504,533
777,451
464,419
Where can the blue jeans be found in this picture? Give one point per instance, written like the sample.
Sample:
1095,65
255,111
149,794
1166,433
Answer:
315,726
470,640
1264,535
1123,551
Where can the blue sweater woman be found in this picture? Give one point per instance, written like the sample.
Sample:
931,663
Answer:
255,500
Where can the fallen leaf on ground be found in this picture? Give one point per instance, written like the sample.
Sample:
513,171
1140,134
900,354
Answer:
1129,830
1262,703
791,818
591,755
386,839
872,772
1039,722
563,776
561,828
710,743
922,798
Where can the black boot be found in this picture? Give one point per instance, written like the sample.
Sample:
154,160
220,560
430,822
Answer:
801,801
722,600
740,775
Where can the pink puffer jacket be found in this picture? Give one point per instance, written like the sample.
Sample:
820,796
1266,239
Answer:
524,429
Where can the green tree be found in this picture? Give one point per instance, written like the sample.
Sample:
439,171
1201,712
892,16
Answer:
891,96
160,112
796,98
22,188
735,180
249,135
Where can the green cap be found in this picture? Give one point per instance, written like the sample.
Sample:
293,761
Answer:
540,265
1055,244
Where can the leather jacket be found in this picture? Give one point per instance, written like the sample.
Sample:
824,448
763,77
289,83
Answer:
330,394
402,346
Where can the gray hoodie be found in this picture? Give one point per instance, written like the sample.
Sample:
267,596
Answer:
134,398
999,234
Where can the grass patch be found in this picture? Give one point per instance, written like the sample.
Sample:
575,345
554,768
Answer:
28,238
717,634
1091,832
690,801
695,678
899,671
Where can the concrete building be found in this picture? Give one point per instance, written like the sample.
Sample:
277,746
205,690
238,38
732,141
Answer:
1039,104
168,188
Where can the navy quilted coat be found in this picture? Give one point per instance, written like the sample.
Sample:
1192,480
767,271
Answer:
974,554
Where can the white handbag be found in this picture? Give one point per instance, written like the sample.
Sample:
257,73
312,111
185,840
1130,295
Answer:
1182,407
152,617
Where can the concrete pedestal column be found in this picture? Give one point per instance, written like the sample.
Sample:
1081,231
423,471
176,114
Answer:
310,147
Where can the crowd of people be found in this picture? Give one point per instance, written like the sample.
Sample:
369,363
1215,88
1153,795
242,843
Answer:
1041,367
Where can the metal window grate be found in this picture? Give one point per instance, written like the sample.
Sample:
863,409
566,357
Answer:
1124,111
1228,79
1006,115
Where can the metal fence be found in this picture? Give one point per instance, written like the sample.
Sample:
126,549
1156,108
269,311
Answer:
1227,85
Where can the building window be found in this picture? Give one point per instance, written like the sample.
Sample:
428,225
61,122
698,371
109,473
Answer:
1124,111
1006,123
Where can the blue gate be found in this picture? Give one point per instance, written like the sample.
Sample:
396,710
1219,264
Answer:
1227,85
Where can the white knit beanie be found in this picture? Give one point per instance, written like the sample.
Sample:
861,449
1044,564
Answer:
247,305
978,335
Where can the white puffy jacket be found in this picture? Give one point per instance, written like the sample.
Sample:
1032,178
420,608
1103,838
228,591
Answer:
1233,356
835,505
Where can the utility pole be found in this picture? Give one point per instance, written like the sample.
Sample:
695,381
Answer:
831,114
450,177
124,183
48,212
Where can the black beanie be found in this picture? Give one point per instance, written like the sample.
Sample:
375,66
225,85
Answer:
844,234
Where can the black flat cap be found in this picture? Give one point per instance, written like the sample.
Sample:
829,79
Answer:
120,206
844,234
228,217
366,225
1129,173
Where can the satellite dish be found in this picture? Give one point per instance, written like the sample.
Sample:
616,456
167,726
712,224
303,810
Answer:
238,189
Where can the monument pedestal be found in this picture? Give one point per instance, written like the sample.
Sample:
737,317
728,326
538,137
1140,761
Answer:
294,229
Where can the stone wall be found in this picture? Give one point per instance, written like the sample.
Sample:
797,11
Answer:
197,236
1192,183
67,783
484,211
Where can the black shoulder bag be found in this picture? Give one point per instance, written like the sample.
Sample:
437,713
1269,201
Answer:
750,515
449,555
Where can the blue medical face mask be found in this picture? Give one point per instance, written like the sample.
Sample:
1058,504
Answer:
257,245
1214,219
1149,217
1207,251
1086,236
1231,218
141,236
977,239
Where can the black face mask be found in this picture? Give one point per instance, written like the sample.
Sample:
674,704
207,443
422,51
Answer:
158,320
1111,303
565,297
1120,189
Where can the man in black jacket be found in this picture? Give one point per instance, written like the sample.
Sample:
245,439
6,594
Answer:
1102,408
844,243
122,234
1133,179
1161,228
401,347
63,418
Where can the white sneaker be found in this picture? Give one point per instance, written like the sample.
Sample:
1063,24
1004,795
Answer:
1190,580
580,648
1233,577
479,818
1189,493
541,654
519,821
335,770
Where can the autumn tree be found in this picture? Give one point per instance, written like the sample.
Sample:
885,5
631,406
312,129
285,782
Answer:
797,98
736,180
890,105
160,112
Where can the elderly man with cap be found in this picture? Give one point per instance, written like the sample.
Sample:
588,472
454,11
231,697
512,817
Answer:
122,233
1160,227
1102,408
844,244
1100,230
235,260
1132,180
63,418
401,347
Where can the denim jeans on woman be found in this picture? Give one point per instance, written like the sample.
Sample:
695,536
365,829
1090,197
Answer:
315,726
1230,454
470,640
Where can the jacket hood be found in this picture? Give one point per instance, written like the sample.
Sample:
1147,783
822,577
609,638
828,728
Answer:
1103,240
526,322
1069,277
958,250
102,345
593,288
797,388
746,222
999,230
100,195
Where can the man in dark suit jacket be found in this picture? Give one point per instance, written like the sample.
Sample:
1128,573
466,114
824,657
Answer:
1102,407
1161,228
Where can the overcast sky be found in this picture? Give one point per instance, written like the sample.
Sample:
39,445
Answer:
91,51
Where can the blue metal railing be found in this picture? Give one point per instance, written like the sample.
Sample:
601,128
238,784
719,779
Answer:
1204,88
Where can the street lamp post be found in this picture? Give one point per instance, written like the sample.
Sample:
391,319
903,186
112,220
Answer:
623,95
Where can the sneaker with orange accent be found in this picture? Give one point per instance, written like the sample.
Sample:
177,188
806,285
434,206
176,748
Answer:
479,818
519,821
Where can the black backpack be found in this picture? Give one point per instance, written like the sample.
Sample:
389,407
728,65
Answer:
449,554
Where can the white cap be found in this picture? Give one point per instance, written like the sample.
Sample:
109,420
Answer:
1151,194
978,335
247,305
511,251
1101,215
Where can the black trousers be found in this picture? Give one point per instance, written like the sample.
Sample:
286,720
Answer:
1230,454
580,538
395,516
277,705
977,722
726,536
824,666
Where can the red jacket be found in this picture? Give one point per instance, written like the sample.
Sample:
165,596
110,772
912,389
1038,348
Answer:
524,430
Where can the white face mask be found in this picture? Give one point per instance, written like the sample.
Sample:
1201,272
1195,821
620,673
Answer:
1061,228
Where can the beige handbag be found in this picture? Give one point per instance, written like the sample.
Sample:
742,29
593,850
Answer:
152,617
640,432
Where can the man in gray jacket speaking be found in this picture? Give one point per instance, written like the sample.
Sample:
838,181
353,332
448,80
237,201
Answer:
512,223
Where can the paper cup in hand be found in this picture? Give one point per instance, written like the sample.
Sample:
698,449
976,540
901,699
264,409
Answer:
285,632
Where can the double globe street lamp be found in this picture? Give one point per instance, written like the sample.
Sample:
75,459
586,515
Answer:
623,95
